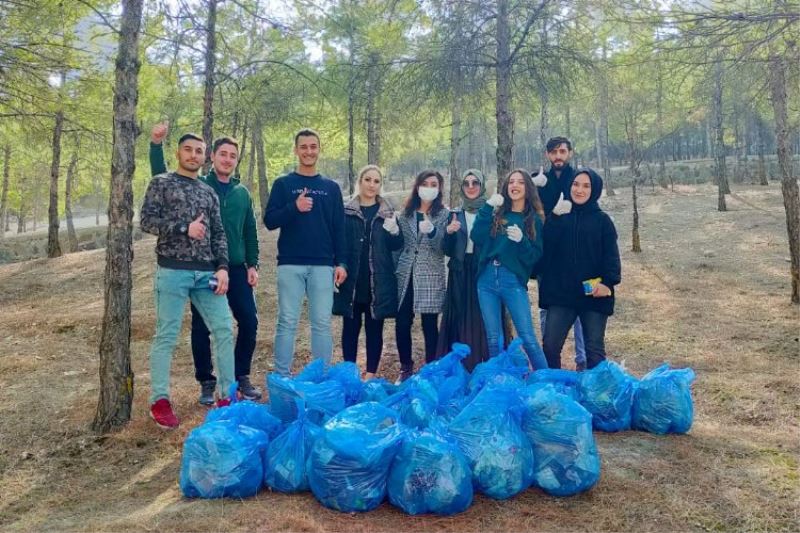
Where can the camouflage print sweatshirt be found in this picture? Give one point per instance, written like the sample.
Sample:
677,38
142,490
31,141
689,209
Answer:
171,203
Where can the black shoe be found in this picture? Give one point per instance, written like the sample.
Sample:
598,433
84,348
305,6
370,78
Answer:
580,367
207,392
246,389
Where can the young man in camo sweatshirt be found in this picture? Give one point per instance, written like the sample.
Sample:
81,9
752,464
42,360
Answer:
236,210
191,249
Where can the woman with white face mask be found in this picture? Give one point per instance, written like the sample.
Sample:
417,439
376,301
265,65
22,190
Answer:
420,269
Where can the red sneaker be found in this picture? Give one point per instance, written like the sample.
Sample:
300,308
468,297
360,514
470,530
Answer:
223,402
161,412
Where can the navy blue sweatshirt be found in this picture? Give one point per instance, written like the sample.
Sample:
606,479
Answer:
312,238
579,246
555,186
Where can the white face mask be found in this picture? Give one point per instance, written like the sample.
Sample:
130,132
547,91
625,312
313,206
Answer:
428,194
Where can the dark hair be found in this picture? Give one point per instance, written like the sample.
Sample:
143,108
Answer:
555,142
190,136
305,132
224,140
413,202
533,205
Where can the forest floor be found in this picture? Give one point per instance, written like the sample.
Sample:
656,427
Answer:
709,291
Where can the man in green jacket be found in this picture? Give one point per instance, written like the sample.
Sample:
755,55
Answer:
236,207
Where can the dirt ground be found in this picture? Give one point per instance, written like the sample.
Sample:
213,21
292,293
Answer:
710,291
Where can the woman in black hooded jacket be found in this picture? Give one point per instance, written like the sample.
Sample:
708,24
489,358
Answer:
579,270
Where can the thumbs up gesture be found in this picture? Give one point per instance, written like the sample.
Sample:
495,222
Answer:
496,200
540,180
562,206
303,202
390,224
197,229
454,225
426,226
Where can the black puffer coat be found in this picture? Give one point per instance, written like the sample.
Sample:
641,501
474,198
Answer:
382,282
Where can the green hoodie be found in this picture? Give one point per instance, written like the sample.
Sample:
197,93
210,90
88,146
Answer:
236,208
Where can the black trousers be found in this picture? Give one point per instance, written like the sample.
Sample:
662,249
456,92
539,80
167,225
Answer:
403,323
351,329
559,322
243,306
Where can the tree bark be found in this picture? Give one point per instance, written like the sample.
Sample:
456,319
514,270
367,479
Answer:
53,245
261,163
662,164
373,111
210,83
251,161
4,193
762,163
789,187
351,141
719,149
455,138
603,113
116,375
72,237
636,245
504,118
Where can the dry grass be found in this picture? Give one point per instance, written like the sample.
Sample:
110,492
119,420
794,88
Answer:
709,290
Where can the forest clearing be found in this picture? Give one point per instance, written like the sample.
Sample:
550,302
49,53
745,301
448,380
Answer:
708,291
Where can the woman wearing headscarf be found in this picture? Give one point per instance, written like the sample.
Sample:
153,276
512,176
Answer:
461,318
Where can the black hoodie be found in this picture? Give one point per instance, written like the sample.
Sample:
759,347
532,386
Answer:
579,246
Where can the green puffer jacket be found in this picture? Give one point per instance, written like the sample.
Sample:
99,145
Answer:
236,208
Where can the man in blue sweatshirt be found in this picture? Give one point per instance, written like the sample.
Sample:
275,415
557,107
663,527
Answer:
309,210
555,194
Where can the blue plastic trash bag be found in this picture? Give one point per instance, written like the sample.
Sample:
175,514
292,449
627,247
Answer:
315,372
506,363
564,449
447,374
350,462
430,475
252,414
221,459
416,404
663,401
287,455
349,376
322,400
378,389
487,431
564,381
607,391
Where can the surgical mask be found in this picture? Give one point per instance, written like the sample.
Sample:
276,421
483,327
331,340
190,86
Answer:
428,194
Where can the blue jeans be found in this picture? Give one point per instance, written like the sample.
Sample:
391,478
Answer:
496,285
243,305
172,289
559,320
577,330
294,283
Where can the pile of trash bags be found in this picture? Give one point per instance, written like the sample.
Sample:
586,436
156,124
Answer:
429,444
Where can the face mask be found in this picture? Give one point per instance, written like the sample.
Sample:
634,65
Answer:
428,194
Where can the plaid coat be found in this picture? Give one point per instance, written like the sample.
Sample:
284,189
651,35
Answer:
423,256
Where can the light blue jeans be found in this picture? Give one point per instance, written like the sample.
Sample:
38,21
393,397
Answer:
294,283
496,285
577,329
172,289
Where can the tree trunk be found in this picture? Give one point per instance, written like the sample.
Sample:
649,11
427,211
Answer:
4,193
455,139
251,161
53,245
636,245
373,111
719,149
351,141
261,163
72,237
789,187
762,163
662,163
209,86
504,118
116,375
608,184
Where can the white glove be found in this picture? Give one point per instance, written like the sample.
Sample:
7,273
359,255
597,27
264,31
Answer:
425,226
514,233
562,206
390,225
496,200
540,180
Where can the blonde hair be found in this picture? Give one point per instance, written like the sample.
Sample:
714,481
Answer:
367,168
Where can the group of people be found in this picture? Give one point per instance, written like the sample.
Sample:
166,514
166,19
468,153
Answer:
368,262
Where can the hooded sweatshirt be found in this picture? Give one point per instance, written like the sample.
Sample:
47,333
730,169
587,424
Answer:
580,246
